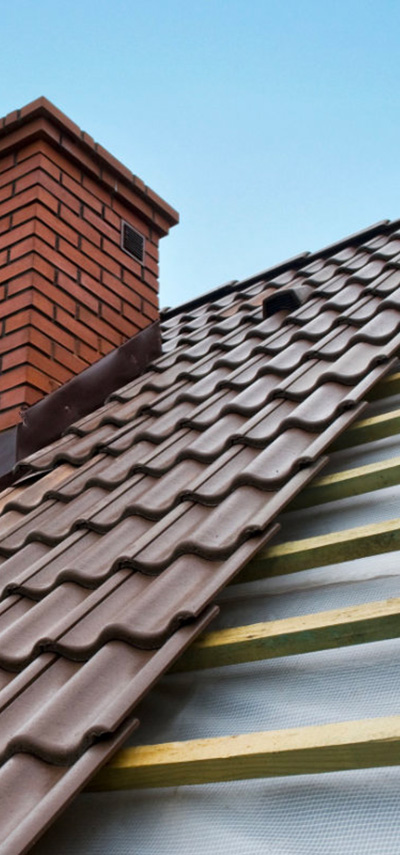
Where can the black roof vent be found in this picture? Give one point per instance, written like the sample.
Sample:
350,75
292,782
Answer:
287,299
132,242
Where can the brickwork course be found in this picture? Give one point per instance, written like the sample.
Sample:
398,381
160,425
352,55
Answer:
68,293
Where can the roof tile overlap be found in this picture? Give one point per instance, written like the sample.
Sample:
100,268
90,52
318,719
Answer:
144,509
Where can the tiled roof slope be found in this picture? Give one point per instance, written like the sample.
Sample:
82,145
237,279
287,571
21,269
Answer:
147,507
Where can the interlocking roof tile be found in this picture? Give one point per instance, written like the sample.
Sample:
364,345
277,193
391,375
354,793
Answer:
124,530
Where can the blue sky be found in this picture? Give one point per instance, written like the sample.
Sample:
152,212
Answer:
273,127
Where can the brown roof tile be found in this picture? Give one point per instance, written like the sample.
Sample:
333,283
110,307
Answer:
130,524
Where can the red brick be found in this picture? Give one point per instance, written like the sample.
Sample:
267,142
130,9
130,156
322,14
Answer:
47,260
16,339
117,321
75,150
69,360
17,234
48,367
9,418
100,290
101,226
6,192
20,201
6,162
22,248
56,294
120,292
160,203
131,217
160,224
30,261
15,304
15,357
80,225
88,354
44,233
103,329
59,191
150,311
152,250
10,118
22,215
18,320
53,111
77,329
11,398
133,316
20,170
41,265
42,342
30,179
95,189
103,260
140,287
20,283
42,304
20,395
150,279
9,379
39,380
151,265
82,195
52,331
112,218
5,224
82,261
38,126
57,223
114,163
88,139
79,294
72,293
29,279
105,347
63,162
135,205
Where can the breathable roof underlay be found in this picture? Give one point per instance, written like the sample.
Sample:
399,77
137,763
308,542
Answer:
113,552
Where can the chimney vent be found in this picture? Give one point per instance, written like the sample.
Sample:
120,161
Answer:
132,242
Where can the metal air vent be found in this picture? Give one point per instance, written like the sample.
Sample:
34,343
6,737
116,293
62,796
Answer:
132,242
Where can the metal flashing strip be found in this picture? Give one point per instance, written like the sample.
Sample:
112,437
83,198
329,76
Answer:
50,417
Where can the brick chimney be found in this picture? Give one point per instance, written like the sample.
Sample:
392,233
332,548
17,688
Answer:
79,238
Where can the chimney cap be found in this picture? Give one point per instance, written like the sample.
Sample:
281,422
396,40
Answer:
41,118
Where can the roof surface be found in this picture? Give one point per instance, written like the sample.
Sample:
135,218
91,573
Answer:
147,507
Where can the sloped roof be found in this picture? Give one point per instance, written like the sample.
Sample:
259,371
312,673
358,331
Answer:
147,507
